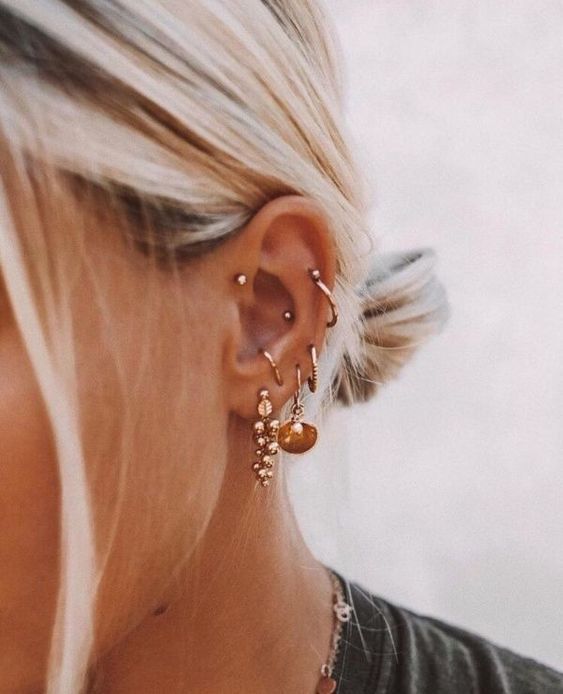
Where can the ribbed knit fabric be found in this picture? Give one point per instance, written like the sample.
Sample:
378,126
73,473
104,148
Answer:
387,649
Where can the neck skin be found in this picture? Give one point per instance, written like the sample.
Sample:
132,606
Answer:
255,610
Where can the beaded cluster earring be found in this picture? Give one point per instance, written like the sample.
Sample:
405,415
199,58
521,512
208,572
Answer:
265,431
295,435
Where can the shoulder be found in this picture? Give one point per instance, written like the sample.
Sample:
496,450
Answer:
398,651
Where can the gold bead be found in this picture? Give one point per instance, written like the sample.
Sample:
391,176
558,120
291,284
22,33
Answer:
272,447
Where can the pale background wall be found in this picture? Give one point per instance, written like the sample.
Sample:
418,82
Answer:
446,493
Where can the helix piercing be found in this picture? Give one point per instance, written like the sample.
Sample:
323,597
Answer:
316,277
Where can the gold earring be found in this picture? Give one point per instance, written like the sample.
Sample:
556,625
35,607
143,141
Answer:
295,435
265,431
316,277
313,380
288,316
279,379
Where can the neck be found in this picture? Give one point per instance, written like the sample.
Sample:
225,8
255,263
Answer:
250,612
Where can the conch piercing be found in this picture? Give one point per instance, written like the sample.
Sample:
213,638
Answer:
288,316
316,277
265,432
295,435
279,379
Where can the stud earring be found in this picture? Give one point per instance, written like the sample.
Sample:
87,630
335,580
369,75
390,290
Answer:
313,380
241,279
315,275
288,316
279,379
265,432
295,435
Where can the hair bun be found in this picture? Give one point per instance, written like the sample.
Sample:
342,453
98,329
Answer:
403,304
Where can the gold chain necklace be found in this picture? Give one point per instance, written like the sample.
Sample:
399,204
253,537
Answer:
342,614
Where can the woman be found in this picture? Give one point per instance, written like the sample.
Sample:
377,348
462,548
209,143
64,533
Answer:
186,288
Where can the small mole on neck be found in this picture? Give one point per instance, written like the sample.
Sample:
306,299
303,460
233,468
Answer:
161,609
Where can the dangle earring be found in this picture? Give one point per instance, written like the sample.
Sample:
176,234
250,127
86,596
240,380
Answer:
265,437
265,430
295,435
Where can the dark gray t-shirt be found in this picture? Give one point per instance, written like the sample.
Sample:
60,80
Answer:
386,649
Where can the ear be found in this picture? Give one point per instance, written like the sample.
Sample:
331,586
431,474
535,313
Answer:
275,250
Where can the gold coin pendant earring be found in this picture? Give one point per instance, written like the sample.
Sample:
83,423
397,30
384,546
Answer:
295,435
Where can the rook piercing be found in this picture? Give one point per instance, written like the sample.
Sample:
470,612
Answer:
316,277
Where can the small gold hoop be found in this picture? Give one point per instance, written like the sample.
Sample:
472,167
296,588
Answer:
297,393
279,379
316,277
313,380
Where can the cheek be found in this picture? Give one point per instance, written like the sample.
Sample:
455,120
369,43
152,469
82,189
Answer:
29,500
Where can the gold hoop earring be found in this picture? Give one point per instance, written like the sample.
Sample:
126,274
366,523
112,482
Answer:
265,432
315,275
279,379
295,435
313,380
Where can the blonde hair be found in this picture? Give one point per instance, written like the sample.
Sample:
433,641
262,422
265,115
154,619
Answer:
184,118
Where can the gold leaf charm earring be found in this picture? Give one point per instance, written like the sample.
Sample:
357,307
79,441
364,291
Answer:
265,431
295,435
